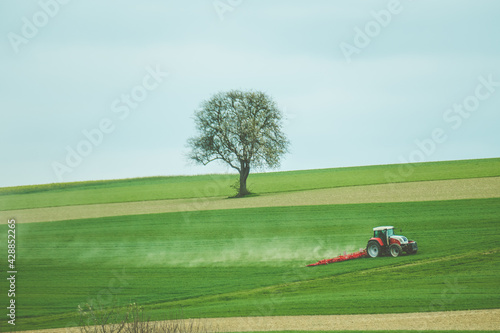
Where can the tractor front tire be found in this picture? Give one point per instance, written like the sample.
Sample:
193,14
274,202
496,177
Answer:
395,250
373,249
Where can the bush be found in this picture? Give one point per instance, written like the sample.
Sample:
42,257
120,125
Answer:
132,319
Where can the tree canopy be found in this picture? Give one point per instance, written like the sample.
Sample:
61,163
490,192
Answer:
242,129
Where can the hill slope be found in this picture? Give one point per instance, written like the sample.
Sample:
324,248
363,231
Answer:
183,187
251,261
474,188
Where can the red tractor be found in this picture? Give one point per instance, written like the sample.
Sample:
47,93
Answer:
384,241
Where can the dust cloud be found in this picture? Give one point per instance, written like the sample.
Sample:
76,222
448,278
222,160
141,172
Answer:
241,252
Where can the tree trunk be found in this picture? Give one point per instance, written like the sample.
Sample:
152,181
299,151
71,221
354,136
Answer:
244,172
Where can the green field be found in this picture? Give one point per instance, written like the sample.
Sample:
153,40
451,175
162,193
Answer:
251,262
157,188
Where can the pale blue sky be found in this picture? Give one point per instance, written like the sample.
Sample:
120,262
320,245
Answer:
360,82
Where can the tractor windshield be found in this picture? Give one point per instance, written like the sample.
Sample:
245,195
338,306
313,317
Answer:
390,232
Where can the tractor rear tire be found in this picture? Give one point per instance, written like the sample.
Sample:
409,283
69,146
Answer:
373,249
395,250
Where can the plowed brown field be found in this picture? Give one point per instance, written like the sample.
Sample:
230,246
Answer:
450,320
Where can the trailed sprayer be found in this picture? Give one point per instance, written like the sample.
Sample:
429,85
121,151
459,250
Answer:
383,242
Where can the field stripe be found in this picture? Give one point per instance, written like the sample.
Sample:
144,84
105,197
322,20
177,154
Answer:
487,319
446,320
278,288
453,320
475,188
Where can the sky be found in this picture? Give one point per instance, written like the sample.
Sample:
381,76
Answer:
95,90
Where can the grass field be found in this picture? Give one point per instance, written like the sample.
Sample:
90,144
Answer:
250,261
158,188
453,189
220,265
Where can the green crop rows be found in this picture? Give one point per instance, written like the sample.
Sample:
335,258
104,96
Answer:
251,262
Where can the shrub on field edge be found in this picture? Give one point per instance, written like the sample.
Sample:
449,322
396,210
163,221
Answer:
132,319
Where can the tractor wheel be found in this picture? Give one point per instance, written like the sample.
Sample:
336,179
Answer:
373,249
395,250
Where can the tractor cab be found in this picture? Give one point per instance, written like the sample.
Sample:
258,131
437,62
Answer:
384,234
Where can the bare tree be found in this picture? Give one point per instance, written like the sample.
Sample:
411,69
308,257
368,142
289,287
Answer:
243,129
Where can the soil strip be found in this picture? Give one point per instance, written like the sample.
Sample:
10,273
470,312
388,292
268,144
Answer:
475,188
449,320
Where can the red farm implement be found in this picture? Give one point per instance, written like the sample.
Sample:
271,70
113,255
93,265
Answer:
360,254
383,242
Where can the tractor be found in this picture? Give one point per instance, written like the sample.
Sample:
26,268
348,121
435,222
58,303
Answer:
384,241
